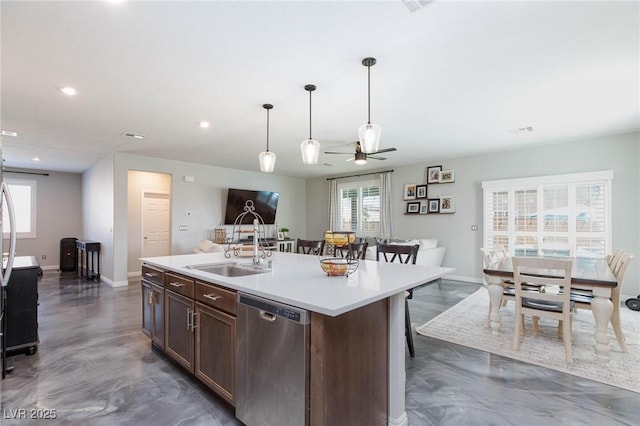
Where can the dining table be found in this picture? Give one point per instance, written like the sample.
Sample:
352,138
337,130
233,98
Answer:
590,274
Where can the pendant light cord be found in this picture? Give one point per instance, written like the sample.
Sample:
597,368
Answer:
368,94
267,130
309,114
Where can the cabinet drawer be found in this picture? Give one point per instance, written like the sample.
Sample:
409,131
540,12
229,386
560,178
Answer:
152,274
179,284
217,297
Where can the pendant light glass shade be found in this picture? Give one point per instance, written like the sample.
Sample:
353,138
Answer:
267,158
310,151
369,134
310,148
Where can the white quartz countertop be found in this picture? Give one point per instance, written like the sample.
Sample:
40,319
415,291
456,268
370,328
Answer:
298,280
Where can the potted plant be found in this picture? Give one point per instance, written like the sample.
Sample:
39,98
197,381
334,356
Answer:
285,231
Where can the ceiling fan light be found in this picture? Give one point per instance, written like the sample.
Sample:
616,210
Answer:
369,135
310,151
361,158
267,161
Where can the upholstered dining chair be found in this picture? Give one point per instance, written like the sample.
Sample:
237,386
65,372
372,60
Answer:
553,303
315,247
583,299
406,254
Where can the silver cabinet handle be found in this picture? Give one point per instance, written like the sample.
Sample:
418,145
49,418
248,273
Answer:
188,319
151,274
193,320
212,297
178,285
151,297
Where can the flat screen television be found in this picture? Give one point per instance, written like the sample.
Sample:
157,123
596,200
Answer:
265,202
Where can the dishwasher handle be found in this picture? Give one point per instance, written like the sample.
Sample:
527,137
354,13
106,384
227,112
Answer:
267,316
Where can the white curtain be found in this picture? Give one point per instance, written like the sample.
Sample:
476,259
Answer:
334,206
386,222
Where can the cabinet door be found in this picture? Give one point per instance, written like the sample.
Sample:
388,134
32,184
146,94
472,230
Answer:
157,325
179,331
147,308
216,350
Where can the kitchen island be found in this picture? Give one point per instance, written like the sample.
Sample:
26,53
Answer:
357,344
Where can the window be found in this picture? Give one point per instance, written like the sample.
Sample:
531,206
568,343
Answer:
23,194
562,215
360,207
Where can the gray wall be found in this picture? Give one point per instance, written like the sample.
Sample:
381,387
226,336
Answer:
205,200
58,215
618,153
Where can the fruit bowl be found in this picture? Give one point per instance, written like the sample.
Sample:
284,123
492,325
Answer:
337,266
339,238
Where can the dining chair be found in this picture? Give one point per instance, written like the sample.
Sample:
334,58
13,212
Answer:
614,257
357,250
583,299
407,254
315,247
553,303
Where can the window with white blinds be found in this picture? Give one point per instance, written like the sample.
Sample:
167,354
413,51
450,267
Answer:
23,194
562,215
360,207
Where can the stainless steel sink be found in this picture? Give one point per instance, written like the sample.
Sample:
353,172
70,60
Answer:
230,269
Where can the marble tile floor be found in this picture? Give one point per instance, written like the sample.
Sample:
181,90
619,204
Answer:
95,367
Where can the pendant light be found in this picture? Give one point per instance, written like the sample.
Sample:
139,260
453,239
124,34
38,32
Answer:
267,158
310,148
369,134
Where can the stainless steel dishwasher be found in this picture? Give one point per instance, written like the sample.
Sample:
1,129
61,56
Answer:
272,371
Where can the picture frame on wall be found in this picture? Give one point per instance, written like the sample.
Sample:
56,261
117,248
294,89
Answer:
421,191
413,208
447,204
280,235
409,191
433,174
447,176
424,208
434,206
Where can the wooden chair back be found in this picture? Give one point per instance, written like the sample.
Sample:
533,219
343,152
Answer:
357,250
398,252
315,247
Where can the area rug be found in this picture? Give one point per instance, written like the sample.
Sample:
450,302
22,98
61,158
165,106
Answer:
466,324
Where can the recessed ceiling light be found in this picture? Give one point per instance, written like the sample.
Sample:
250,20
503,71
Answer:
133,135
68,91
35,158
204,124
9,133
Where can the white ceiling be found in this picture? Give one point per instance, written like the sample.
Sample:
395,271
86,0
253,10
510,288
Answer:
451,80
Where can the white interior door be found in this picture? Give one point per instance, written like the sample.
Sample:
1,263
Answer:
156,224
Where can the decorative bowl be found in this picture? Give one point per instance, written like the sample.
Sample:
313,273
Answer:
339,238
337,266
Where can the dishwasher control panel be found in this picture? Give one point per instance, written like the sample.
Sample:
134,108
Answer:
275,308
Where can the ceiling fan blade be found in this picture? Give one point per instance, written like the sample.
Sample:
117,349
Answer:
375,157
335,152
350,159
384,150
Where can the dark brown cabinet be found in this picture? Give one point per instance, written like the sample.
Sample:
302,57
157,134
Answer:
153,305
179,326
195,324
215,350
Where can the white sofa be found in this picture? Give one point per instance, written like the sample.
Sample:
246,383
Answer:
208,246
429,254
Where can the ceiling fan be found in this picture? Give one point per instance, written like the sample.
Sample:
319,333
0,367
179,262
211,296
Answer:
360,157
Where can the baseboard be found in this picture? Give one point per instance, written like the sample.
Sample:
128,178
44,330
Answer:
134,274
464,278
111,283
50,268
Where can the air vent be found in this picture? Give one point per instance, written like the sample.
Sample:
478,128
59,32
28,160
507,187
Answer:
133,135
521,130
9,133
412,5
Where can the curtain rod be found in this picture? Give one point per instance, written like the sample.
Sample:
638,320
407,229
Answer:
27,173
363,174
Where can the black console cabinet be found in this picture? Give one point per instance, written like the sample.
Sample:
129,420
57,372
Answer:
22,306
